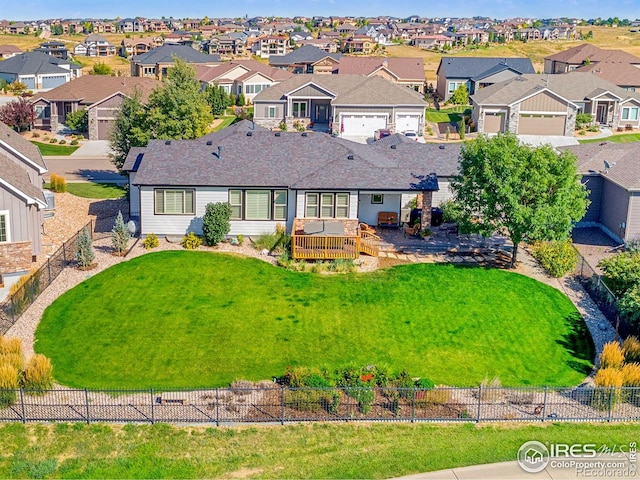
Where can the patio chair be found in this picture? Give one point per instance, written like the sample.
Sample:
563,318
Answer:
367,228
412,231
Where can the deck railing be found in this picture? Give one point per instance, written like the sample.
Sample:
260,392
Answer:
325,247
369,243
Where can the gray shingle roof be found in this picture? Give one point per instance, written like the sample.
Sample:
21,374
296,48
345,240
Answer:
470,67
349,90
165,54
573,86
30,63
623,160
304,54
289,160
19,179
25,147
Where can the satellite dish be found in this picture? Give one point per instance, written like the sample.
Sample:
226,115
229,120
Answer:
606,165
131,226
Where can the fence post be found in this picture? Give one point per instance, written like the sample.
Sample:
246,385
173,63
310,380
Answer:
610,403
282,392
153,411
13,310
217,407
479,402
348,404
49,270
24,416
413,405
86,398
64,254
544,403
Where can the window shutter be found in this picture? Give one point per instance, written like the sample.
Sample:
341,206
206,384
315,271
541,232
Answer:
159,201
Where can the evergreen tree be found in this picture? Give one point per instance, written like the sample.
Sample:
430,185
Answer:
84,249
120,235
215,223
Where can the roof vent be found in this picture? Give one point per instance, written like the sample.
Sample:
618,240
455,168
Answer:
393,147
249,134
167,142
305,134
441,147
209,142
219,152
278,134
350,157
602,143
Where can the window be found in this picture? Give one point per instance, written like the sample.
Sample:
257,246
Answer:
174,202
258,204
299,109
453,86
327,205
377,198
43,112
4,226
271,112
629,113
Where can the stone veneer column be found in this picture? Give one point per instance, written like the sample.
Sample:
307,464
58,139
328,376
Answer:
427,200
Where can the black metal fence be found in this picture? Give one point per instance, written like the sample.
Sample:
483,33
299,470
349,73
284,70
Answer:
278,404
14,306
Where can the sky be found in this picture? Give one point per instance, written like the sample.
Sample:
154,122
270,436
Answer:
501,9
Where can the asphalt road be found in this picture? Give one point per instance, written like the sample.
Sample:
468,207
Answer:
81,169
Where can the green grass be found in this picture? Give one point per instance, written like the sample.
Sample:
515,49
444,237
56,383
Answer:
226,121
94,190
292,451
444,115
197,319
623,138
55,150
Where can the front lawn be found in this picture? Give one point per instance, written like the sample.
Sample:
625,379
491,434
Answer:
329,450
444,115
622,138
94,190
55,150
198,319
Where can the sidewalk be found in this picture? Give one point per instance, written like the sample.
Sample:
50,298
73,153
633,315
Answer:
495,471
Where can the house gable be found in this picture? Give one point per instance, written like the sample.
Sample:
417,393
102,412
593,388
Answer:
544,101
310,90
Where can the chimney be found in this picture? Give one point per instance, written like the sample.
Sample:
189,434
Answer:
219,152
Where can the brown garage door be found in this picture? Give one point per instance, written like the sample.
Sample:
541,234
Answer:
104,127
541,124
493,122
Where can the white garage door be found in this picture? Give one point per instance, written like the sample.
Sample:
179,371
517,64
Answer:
407,122
357,125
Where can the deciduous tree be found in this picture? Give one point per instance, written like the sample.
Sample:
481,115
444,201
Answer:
18,114
522,192
130,129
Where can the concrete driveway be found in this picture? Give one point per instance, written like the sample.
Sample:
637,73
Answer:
83,169
93,148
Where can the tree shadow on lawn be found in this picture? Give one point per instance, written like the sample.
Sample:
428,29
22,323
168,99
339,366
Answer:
578,343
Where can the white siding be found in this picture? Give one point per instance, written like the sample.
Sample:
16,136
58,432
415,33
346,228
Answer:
369,211
443,194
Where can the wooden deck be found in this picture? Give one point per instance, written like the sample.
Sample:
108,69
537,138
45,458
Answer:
326,247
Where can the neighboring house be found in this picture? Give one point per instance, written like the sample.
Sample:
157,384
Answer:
155,62
138,46
585,54
358,44
328,45
307,59
21,201
269,45
350,105
477,73
248,77
100,95
8,51
95,46
403,71
55,49
38,70
548,104
225,45
624,75
130,25
611,173
432,42
333,179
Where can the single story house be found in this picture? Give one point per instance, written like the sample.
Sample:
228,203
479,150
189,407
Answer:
100,95
8,51
21,201
477,73
611,173
408,72
38,70
585,54
548,104
349,105
248,77
155,62
307,59
334,180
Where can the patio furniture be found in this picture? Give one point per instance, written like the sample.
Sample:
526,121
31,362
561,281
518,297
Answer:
367,228
412,231
388,220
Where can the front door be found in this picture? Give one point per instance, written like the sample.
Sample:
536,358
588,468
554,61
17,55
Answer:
601,113
322,113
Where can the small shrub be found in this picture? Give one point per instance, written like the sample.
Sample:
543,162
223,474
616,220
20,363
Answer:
631,349
435,396
84,249
491,391
63,142
53,140
622,272
343,265
14,360
10,346
150,241
265,241
631,375
57,183
120,235
216,222
240,239
191,241
73,142
38,375
611,356
425,383
629,305
35,135
557,258
282,126
610,394
312,400
8,385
